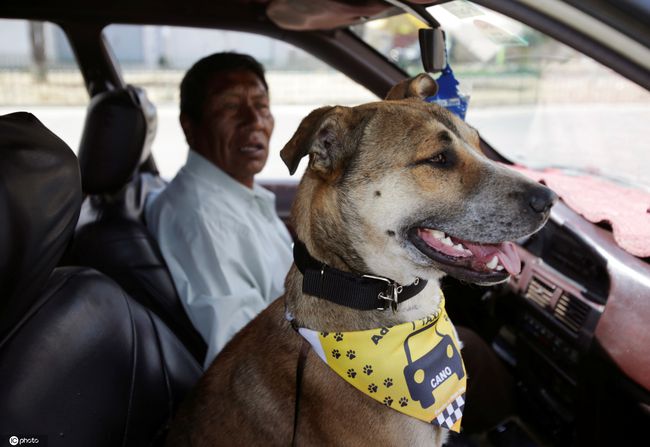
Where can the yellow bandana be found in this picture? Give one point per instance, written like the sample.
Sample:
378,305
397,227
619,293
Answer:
414,367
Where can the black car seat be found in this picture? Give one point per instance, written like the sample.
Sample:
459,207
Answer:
81,363
111,236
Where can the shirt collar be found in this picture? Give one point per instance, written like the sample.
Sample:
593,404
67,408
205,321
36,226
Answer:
214,176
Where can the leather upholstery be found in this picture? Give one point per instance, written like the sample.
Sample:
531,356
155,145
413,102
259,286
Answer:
111,236
119,129
39,177
81,363
88,366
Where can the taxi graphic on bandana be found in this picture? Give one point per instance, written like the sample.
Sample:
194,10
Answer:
430,371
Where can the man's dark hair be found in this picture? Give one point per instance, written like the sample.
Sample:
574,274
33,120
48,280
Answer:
194,82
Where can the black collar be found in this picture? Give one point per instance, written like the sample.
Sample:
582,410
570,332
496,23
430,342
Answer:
363,292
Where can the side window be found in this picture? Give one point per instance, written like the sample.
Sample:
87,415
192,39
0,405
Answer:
38,74
156,58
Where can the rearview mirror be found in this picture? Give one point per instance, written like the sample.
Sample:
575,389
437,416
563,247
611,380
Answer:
432,49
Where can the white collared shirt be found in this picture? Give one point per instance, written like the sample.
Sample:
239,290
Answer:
226,248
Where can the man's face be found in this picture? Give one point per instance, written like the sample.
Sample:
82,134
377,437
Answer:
236,125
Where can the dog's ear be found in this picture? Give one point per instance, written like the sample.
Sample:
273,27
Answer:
304,139
420,86
324,134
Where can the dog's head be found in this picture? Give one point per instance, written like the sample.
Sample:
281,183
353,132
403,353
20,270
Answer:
399,188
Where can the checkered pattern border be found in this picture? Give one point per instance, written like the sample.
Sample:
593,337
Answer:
454,411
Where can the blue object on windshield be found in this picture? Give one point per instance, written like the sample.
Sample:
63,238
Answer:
448,95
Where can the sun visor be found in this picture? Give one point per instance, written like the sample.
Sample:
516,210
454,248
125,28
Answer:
306,15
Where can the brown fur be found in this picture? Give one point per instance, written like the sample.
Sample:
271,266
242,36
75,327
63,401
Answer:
365,186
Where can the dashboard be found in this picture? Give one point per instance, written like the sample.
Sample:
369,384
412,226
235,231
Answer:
579,304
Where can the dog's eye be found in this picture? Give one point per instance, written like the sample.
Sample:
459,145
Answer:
442,160
438,159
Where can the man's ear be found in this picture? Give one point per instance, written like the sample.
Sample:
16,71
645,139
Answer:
187,125
327,134
420,86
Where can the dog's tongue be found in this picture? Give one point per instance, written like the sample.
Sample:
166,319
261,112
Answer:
505,252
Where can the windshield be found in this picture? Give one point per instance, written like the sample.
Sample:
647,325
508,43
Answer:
537,101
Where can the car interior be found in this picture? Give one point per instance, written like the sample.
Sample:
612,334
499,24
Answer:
95,346
81,359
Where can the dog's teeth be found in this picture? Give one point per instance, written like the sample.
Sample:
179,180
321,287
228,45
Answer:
437,234
499,268
493,263
447,241
459,247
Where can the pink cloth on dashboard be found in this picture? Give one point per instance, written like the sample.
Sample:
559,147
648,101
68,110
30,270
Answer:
627,210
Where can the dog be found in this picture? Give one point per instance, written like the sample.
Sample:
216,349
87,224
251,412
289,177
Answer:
396,189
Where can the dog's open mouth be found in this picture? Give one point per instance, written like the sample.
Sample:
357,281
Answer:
468,260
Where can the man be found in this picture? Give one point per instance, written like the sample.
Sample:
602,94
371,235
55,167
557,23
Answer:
225,247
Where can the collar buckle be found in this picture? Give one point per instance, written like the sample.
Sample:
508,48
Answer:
391,294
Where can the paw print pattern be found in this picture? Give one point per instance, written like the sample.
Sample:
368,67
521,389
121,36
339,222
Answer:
367,369
388,401
352,373
403,401
388,382
351,354
324,334
335,353
372,388
338,336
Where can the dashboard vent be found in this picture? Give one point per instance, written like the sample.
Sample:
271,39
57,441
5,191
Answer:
571,312
539,293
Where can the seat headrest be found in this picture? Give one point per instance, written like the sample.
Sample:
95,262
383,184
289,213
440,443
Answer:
40,198
119,129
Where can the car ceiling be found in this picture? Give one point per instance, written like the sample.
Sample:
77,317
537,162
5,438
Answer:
315,14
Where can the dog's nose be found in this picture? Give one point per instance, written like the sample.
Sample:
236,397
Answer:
542,199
